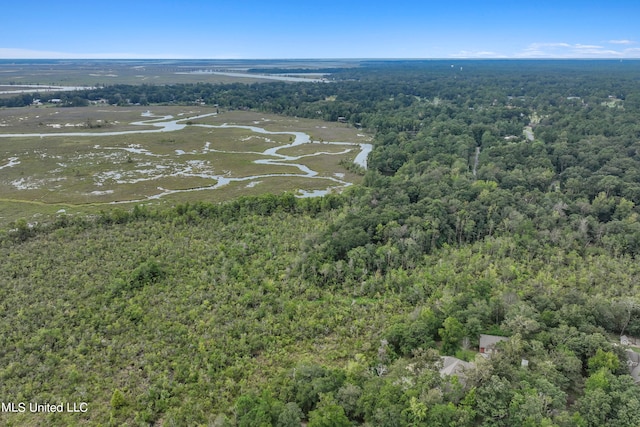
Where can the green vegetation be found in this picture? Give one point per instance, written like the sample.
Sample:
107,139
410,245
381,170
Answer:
501,199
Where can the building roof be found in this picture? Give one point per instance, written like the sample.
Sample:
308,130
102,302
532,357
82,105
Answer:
490,341
633,361
453,366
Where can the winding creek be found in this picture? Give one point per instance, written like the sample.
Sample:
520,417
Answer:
171,124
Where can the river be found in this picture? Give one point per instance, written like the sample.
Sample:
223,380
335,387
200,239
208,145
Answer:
279,77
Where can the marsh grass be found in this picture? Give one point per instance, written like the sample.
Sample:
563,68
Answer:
97,74
326,165
40,175
315,147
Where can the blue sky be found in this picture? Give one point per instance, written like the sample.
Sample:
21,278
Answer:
246,29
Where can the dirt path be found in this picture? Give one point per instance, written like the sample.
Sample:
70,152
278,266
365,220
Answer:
475,161
528,132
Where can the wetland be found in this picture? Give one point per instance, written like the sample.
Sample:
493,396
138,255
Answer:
80,159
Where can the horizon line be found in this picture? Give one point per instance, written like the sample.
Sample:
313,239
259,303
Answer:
502,58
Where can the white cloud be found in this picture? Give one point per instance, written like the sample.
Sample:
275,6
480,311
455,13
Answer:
560,50
541,50
621,42
587,46
578,50
551,45
14,53
598,52
476,54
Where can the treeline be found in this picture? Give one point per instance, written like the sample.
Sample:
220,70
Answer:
23,100
66,99
262,205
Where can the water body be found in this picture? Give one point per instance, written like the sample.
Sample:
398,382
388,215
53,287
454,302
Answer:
164,124
12,162
279,77
42,88
170,124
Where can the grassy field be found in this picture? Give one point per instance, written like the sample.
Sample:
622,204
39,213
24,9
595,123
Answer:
82,160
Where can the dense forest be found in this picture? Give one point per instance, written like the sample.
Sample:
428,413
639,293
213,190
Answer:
501,198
